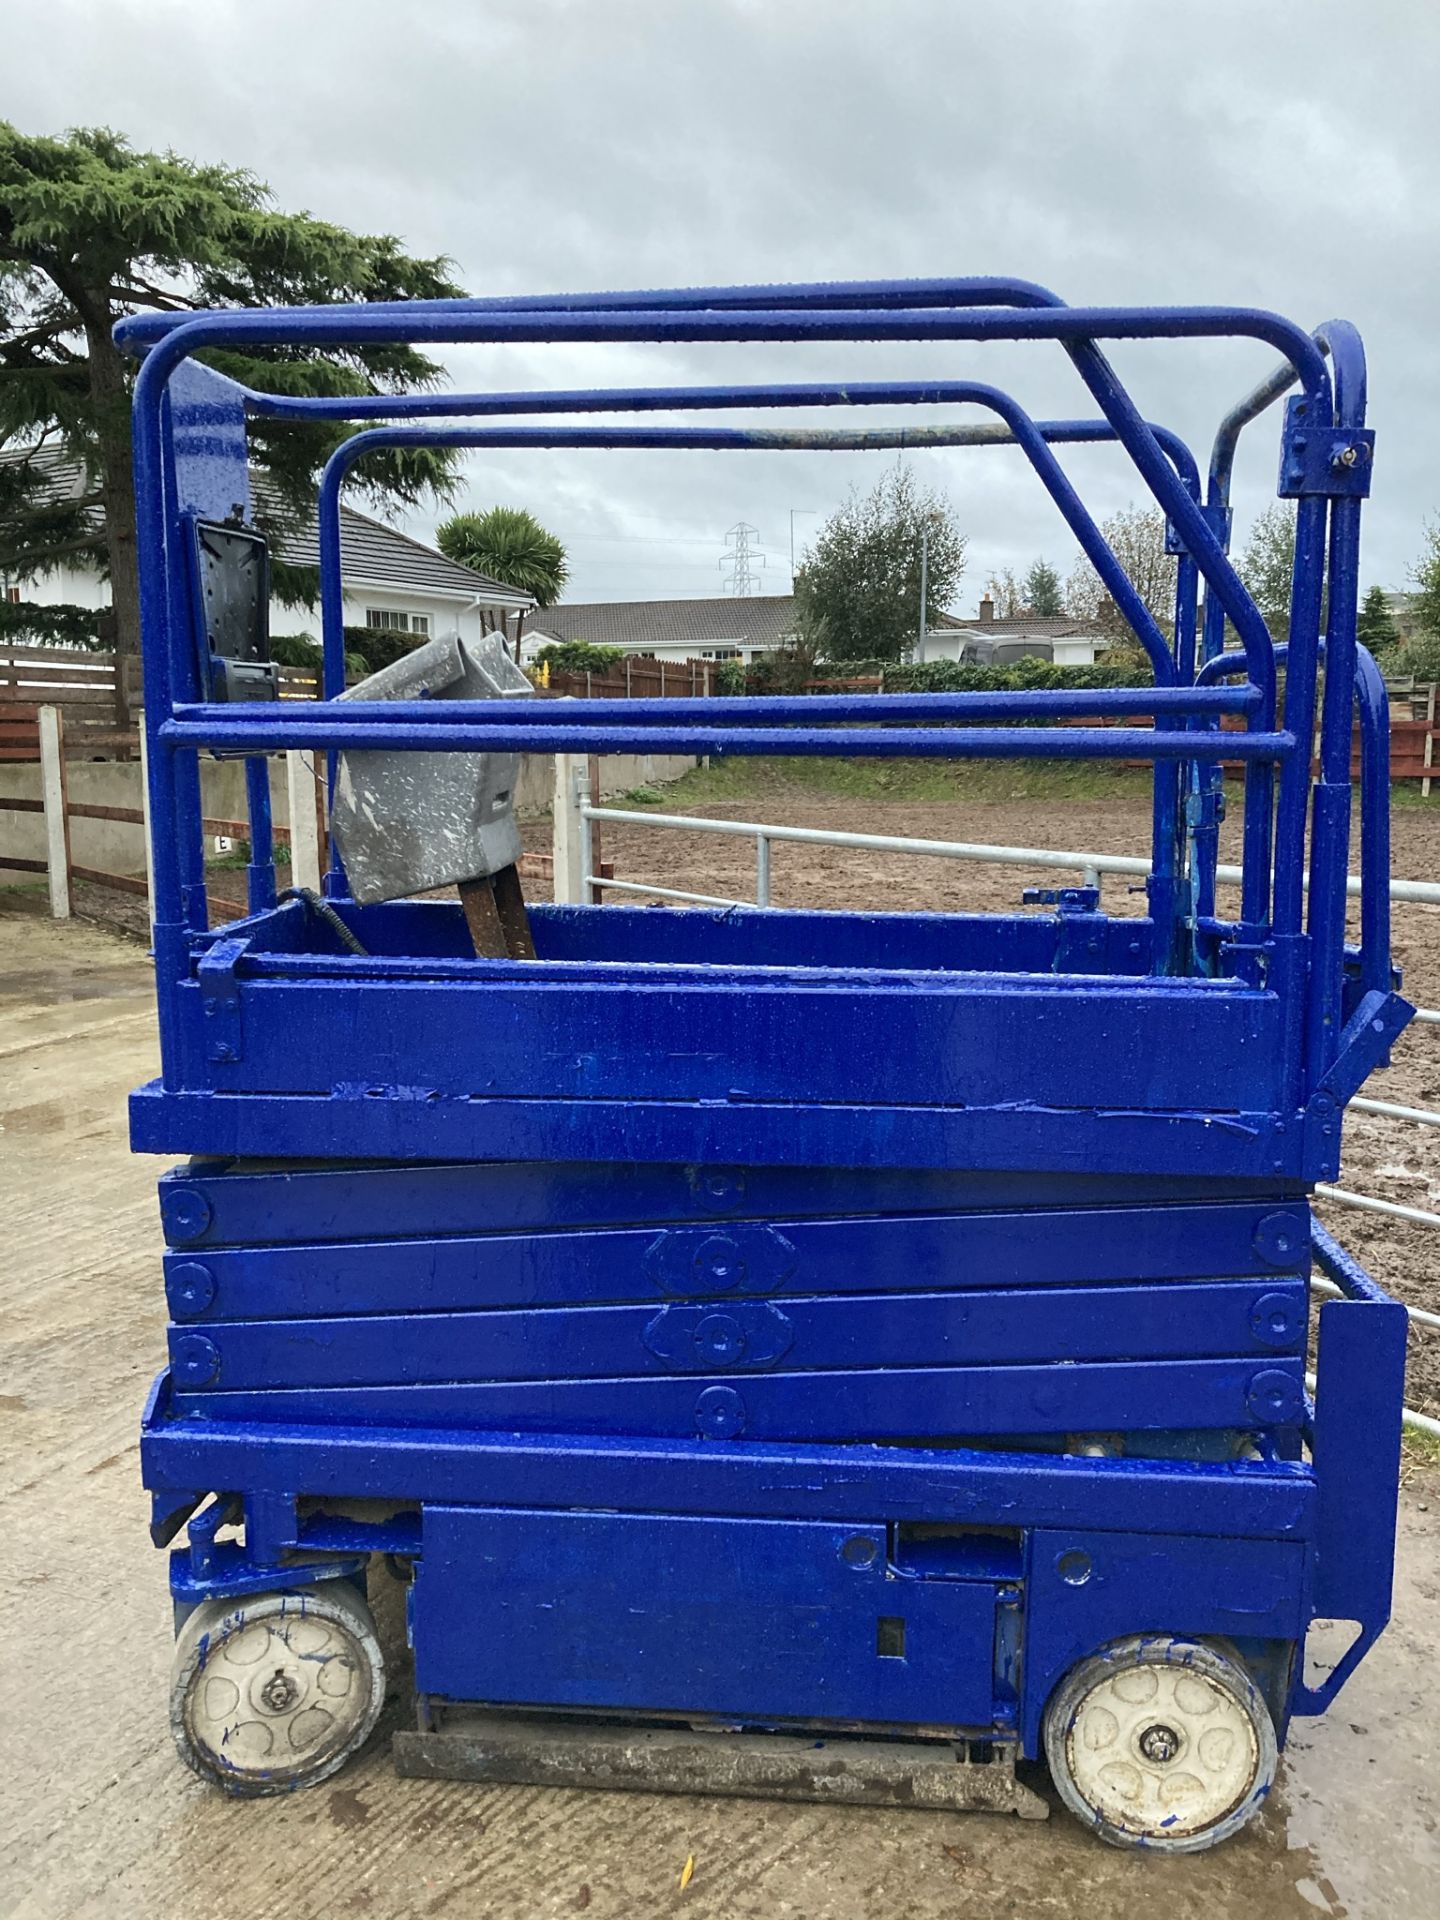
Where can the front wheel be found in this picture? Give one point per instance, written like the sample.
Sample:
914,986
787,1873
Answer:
1161,1742
276,1690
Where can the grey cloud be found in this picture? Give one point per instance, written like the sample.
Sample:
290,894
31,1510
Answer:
1277,154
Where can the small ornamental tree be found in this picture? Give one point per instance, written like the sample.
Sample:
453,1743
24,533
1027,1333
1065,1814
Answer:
1041,590
858,595
1375,626
1267,566
1137,539
511,546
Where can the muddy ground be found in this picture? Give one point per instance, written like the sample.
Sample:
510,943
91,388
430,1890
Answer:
99,1820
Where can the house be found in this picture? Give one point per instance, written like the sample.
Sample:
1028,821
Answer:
1065,639
724,628
720,628
391,580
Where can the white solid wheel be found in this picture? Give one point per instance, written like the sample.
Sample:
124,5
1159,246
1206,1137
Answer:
1161,1742
276,1690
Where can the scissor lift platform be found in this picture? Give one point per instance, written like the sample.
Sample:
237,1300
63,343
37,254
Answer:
882,1334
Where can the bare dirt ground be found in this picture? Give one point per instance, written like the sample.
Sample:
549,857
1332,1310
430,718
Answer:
99,1821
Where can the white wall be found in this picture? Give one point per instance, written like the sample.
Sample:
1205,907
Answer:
67,585
447,613
1074,653
534,638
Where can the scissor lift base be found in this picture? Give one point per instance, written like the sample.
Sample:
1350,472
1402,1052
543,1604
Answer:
532,1750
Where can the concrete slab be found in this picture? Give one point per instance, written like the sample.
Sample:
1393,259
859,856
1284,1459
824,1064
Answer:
99,1819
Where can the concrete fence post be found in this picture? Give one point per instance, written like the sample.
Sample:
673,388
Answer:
304,826
57,818
571,839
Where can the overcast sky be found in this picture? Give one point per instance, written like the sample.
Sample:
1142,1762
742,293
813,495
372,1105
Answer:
1281,153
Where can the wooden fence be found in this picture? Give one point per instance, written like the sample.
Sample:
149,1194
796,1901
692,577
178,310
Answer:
636,678
42,737
86,688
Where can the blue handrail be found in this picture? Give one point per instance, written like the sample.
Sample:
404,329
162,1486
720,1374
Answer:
942,309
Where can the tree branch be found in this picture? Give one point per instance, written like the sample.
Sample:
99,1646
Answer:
35,556
168,302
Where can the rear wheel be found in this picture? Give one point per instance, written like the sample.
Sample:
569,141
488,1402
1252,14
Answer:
1161,1742
276,1690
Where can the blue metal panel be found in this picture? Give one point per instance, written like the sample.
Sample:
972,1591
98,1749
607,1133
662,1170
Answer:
1084,1589
210,450
451,1271
369,1120
911,1330
910,1040
887,1404
1272,1499
215,1203
1360,1389
596,937
751,1619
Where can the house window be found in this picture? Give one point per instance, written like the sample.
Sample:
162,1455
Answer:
386,620
12,594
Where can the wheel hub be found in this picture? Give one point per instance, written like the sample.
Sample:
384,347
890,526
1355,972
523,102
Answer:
1159,1743
279,1691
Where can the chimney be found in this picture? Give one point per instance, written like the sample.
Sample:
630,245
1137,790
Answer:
987,610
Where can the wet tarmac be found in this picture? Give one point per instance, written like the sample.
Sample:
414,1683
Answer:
98,1817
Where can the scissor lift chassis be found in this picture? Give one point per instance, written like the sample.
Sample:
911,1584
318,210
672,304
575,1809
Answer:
881,1335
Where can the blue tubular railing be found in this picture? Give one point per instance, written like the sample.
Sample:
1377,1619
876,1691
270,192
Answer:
1033,436
932,310
1330,830
1332,527
426,727
1374,703
260,872
740,439
142,330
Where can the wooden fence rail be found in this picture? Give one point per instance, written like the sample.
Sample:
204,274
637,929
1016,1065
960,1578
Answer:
636,678
42,737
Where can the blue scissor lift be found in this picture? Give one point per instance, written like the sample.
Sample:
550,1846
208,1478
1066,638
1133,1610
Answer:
882,1335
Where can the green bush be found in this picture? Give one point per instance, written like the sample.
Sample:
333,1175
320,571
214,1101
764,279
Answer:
295,650
953,676
377,647
1420,656
28,623
578,656
730,677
